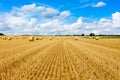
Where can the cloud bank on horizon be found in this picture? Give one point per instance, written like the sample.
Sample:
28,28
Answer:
35,19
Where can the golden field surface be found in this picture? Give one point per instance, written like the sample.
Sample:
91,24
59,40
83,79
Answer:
59,58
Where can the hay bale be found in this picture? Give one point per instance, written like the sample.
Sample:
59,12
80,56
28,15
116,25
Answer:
31,39
36,38
4,38
40,38
76,38
97,38
90,37
9,38
50,38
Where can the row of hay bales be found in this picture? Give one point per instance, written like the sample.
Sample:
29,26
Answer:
96,38
50,38
37,38
34,38
12,37
30,38
19,37
6,38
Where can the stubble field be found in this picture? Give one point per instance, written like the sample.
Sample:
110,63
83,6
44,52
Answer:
61,58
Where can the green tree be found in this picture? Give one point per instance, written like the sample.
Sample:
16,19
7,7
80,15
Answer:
1,34
92,34
82,34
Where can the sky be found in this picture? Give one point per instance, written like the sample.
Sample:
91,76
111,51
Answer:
53,17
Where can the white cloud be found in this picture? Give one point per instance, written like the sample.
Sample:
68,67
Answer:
65,14
77,24
30,7
103,22
4,27
49,12
116,19
42,11
52,26
14,21
99,4
18,22
32,22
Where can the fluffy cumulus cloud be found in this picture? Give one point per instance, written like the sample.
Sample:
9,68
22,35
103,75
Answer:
116,19
4,27
65,14
94,5
39,10
14,21
31,7
41,20
32,22
99,4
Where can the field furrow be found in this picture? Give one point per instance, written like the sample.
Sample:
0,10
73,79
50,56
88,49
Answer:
63,58
105,67
12,62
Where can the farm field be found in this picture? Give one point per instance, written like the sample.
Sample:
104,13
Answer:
59,58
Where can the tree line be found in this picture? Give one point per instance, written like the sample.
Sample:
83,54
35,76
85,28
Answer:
91,34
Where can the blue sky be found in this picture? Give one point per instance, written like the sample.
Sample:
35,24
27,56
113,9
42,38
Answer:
73,5
49,17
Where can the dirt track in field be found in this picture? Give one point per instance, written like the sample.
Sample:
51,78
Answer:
63,59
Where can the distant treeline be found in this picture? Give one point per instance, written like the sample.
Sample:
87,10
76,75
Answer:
1,34
91,34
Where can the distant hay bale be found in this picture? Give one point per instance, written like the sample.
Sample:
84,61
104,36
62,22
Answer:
97,38
40,38
76,38
31,39
4,38
36,38
50,38
9,38
90,37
